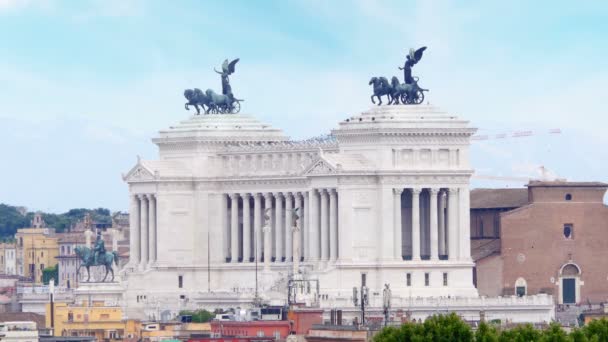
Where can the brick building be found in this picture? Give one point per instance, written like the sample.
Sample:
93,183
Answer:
555,243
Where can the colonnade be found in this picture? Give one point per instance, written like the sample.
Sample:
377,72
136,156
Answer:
428,223
248,216
143,224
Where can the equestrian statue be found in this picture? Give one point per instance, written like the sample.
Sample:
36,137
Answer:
98,256
210,101
408,92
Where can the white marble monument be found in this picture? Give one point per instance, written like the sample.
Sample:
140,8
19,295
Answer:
386,195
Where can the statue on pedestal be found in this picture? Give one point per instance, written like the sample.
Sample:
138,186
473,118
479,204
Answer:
210,101
408,92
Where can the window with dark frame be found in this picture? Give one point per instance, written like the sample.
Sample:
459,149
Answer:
568,231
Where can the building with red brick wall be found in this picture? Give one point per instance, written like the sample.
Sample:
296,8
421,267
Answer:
275,329
557,243
304,318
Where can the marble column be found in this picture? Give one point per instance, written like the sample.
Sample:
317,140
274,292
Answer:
152,230
225,227
134,231
234,228
278,227
452,224
433,226
416,224
313,225
257,226
464,233
442,234
333,225
324,226
306,225
267,227
298,203
288,227
143,203
398,227
246,228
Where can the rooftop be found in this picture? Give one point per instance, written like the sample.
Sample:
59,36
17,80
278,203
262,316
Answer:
567,184
498,198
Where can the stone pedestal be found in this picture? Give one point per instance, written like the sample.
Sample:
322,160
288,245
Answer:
110,294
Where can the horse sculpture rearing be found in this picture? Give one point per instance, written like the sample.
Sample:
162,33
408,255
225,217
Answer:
86,257
381,87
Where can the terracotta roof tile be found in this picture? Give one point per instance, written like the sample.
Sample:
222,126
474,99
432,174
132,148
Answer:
498,198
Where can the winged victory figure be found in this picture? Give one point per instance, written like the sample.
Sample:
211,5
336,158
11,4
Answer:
227,70
412,58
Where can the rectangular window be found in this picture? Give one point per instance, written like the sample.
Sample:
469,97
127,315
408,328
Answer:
445,279
104,316
180,281
408,279
520,291
426,279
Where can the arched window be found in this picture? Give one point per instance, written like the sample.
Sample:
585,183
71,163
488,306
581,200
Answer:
521,287
568,197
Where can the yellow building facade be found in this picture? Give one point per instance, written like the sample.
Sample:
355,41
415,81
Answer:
36,250
102,322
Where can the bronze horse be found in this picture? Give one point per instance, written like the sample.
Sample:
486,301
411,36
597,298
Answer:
86,257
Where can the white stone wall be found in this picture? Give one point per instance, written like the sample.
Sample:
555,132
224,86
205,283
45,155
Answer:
189,209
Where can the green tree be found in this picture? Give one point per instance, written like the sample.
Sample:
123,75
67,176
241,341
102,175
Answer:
554,333
11,220
596,330
50,273
438,328
198,316
486,333
521,333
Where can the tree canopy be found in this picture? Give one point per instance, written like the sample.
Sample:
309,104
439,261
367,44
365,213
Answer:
12,218
452,328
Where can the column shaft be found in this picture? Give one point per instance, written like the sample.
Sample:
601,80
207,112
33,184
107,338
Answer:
267,228
278,228
134,235
305,225
257,226
246,228
144,230
398,227
452,224
415,224
152,230
288,227
313,225
225,227
333,225
324,226
234,227
302,213
442,234
434,230
465,224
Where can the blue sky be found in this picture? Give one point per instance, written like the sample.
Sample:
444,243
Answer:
85,84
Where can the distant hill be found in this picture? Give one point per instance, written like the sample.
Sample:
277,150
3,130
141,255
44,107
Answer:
13,218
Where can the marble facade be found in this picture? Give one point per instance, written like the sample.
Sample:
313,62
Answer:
386,195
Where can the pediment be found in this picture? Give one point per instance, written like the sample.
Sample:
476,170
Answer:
320,167
139,173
